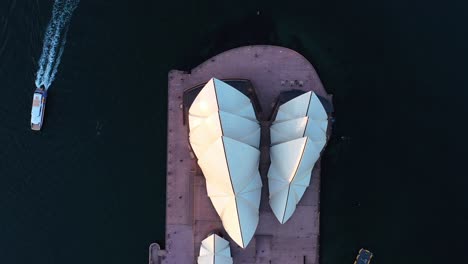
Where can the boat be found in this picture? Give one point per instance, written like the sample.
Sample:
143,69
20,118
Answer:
38,108
364,257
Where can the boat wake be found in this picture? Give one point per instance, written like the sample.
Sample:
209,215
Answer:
54,41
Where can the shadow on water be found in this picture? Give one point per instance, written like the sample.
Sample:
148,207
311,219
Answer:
251,29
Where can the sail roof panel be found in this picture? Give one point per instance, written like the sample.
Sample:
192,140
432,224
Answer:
298,136
214,250
225,137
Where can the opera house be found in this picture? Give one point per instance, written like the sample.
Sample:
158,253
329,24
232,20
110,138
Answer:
246,130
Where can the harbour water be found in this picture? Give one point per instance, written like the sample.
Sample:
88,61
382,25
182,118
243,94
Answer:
90,187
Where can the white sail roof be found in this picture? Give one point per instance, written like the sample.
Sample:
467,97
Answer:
307,104
298,136
225,139
214,250
217,96
288,130
205,131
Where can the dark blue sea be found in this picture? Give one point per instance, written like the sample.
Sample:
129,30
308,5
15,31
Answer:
90,187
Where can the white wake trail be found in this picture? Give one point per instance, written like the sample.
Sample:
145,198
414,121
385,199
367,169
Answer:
46,46
59,56
54,41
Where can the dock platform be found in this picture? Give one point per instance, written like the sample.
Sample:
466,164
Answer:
190,216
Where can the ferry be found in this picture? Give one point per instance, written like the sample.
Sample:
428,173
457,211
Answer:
364,257
38,108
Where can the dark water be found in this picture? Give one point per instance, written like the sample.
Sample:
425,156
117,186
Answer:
90,187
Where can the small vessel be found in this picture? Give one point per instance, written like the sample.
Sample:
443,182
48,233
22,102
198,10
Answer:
38,108
364,257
